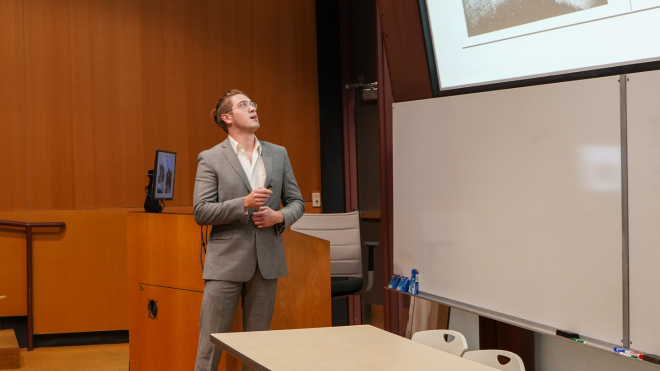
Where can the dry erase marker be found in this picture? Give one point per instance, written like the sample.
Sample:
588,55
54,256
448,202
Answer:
629,352
624,353
580,341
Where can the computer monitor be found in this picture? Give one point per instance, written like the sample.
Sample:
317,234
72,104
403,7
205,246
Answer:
164,170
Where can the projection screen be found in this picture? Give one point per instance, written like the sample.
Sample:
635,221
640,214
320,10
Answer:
478,42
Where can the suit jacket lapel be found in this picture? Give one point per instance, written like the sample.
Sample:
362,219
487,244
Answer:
232,158
268,161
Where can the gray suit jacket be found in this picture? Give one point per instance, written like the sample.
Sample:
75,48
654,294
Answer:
235,243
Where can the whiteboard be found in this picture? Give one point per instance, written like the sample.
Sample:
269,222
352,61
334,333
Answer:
511,201
644,209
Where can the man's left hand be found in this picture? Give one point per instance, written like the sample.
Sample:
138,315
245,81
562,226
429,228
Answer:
267,217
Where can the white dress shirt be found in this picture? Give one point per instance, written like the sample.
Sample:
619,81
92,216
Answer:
256,169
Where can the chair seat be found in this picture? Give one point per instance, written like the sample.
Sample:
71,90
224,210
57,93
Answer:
345,288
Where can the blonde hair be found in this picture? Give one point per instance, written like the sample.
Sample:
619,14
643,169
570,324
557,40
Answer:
224,106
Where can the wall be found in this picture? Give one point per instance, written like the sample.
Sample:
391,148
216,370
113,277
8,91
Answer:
467,324
93,88
330,106
364,65
403,37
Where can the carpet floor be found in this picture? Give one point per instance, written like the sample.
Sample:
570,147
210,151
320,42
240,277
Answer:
112,357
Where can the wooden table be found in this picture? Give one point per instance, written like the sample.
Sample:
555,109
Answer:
338,348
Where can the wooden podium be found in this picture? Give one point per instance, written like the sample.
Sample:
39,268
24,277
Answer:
165,272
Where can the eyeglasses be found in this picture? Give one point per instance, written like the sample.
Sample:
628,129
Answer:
244,105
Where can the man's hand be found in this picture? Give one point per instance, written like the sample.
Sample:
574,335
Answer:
267,217
256,198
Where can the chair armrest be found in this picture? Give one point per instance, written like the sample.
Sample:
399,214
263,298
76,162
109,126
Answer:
370,265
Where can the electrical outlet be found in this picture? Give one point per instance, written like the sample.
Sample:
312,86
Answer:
316,199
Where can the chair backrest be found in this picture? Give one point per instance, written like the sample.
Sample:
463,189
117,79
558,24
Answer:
343,232
436,339
490,358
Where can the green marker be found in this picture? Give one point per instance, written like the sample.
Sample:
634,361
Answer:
580,341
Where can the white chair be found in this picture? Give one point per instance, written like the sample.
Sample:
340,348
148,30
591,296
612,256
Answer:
438,339
490,358
343,232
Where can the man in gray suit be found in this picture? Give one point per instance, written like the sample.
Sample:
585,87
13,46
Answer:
238,189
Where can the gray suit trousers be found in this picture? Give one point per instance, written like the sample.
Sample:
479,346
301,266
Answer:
219,307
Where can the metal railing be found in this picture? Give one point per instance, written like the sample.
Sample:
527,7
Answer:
28,234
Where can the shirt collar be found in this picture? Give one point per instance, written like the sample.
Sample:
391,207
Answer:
237,146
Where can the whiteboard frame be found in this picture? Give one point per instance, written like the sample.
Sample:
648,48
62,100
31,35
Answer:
625,258
644,323
545,329
597,344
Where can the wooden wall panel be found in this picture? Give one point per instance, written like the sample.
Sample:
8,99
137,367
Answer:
310,301
13,182
162,252
197,97
109,82
178,319
116,111
164,266
130,114
311,209
306,160
166,61
49,112
80,275
13,281
95,87
290,113
403,37
81,99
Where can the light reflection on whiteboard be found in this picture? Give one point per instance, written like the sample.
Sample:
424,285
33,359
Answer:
600,168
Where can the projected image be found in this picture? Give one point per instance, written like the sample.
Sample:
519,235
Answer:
479,42
484,16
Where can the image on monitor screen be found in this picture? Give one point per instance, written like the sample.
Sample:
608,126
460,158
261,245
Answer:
164,170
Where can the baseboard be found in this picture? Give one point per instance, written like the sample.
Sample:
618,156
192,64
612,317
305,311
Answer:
81,338
19,325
